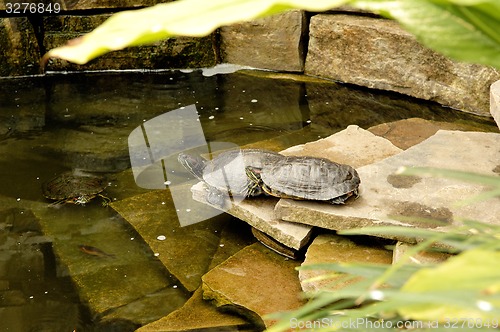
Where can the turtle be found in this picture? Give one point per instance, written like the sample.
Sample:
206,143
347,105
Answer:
69,187
307,178
225,175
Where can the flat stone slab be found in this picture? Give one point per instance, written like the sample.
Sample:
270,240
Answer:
331,248
259,213
409,132
384,195
354,146
253,283
196,315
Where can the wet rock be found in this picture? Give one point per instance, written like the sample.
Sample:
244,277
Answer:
181,52
153,306
104,283
379,54
200,315
331,248
48,315
253,283
187,251
430,197
20,52
196,315
422,257
495,102
409,132
271,43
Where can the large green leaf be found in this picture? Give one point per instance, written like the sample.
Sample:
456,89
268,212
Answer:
466,30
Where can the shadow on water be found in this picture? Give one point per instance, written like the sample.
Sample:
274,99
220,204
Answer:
53,124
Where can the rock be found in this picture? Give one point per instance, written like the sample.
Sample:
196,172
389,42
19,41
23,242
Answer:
200,315
196,315
180,52
187,251
271,43
152,306
420,258
495,102
389,199
379,54
331,248
409,132
253,283
258,212
353,146
103,283
20,51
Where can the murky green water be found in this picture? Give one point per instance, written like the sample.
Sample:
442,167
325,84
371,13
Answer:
53,124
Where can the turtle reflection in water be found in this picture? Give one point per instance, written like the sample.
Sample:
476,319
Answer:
252,172
76,189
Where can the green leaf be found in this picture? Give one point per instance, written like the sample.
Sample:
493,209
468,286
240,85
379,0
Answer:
461,29
194,18
472,279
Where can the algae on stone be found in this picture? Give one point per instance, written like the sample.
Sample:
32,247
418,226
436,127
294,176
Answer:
253,283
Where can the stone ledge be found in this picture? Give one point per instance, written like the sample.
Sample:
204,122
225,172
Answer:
271,43
379,54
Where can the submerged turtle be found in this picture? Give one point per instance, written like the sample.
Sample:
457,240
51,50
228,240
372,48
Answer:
307,178
225,175
252,172
76,189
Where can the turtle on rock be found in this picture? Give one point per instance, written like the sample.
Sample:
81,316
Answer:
225,175
253,172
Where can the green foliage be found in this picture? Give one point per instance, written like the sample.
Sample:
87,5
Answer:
462,293
466,30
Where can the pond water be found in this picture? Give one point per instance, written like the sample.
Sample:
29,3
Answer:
58,123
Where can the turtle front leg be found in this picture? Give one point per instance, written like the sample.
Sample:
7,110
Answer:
216,198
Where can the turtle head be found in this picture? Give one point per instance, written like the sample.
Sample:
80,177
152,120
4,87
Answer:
194,164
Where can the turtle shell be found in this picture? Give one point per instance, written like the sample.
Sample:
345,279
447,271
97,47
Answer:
310,178
69,186
227,171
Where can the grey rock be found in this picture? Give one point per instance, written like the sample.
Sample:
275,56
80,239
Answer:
386,196
379,54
